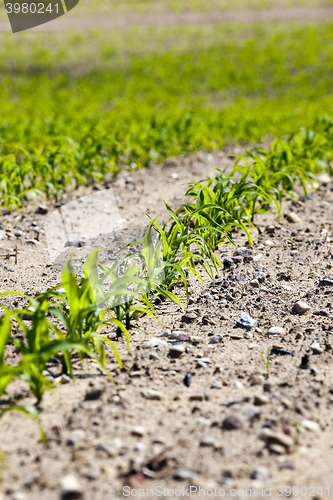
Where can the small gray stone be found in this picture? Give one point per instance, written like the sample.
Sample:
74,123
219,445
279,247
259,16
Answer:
246,321
11,269
276,330
238,385
70,488
249,411
154,356
2,234
254,283
309,425
138,431
260,399
269,436
260,276
92,393
18,233
76,438
248,335
141,447
293,218
153,343
301,307
328,280
166,333
153,395
215,339
217,384
260,474
207,441
184,475
316,349
176,351
233,422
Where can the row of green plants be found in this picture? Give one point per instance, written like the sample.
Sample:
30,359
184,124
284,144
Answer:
70,318
149,95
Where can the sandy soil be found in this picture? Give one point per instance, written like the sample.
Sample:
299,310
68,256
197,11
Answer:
124,439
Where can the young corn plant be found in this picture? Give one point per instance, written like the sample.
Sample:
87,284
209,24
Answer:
220,207
9,372
168,258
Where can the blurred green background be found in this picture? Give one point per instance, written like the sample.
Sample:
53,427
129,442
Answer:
82,97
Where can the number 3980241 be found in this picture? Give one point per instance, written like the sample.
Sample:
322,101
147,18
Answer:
31,8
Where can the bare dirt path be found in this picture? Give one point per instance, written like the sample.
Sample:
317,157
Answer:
74,20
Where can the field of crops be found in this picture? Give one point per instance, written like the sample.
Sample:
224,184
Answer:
79,107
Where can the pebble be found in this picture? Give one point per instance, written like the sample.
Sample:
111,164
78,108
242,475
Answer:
238,385
328,280
217,384
31,479
203,421
230,298
77,242
293,218
153,395
246,321
301,307
254,283
11,269
248,335
70,487
260,474
277,449
271,437
166,333
249,411
141,447
153,343
215,339
76,438
260,400
276,330
138,431
189,317
269,243
187,379
2,234
154,356
19,495
240,278
309,425
260,276
316,349
176,351
42,210
233,422
270,229
227,262
207,441
18,233
184,475
294,252
93,393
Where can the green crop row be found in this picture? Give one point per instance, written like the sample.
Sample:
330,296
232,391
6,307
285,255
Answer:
69,317
151,94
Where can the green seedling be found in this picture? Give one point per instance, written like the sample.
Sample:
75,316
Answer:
267,361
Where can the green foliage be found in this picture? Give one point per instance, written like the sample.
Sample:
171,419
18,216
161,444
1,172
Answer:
208,87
